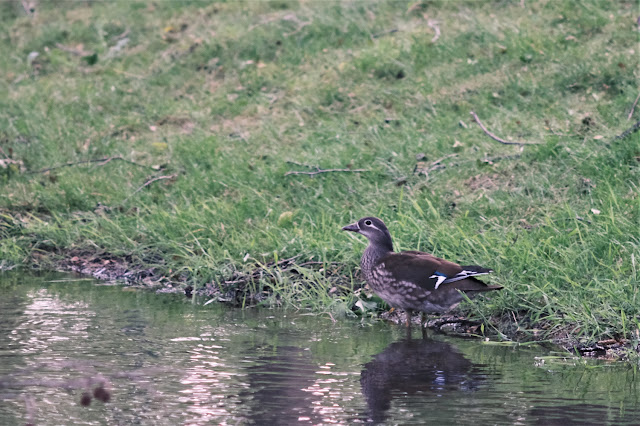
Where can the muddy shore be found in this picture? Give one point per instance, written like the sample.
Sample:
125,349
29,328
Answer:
235,289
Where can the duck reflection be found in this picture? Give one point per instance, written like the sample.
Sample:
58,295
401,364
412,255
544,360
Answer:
280,387
411,366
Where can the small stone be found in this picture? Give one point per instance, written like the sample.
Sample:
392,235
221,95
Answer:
101,394
85,400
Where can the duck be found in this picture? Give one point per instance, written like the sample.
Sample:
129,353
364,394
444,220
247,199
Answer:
415,281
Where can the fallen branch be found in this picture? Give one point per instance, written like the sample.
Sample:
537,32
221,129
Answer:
147,183
319,170
629,131
494,137
633,107
95,160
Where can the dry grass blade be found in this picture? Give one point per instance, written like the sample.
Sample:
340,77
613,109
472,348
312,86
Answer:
147,183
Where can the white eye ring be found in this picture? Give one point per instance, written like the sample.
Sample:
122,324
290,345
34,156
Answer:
367,222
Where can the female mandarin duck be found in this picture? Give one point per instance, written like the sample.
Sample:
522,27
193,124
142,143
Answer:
413,280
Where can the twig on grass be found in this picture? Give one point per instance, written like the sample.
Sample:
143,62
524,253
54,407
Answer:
491,160
147,183
440,160
433,24
73,51
123,34
264,22
494,137
317,262
629,131
128,74
319,170
633,107
420,167
95,160
383,33
297,30
300,164
294,18
28,7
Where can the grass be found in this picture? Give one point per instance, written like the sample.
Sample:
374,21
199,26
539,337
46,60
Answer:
221,100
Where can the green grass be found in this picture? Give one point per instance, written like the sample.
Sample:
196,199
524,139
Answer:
228,97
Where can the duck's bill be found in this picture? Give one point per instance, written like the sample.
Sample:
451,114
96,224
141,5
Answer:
353,227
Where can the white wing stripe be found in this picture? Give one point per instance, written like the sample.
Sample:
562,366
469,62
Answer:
440,278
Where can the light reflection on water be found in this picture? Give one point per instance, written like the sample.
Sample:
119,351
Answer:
167,361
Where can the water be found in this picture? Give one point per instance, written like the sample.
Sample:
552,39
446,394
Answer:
165,361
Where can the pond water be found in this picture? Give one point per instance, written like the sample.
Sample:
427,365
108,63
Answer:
161,359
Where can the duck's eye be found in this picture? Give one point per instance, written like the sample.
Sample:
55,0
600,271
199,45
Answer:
367,222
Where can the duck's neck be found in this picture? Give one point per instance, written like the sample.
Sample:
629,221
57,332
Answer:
374,252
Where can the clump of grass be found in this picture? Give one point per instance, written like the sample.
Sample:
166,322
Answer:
226,98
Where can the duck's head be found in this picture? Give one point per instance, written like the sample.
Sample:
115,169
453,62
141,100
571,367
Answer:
374,229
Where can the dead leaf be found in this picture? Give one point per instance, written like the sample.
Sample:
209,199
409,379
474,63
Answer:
159,146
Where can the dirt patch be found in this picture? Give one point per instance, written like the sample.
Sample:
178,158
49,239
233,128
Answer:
185,124
487,182
239,127
113,268
238,288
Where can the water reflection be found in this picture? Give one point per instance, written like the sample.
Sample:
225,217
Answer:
167,361
281,388
425,367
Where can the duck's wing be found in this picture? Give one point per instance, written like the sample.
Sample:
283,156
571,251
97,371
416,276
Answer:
433,273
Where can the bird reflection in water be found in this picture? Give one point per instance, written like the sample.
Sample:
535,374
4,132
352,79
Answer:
278,388
415,366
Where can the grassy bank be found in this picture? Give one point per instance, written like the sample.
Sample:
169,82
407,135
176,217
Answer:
193,115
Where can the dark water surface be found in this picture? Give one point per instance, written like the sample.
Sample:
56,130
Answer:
165,361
